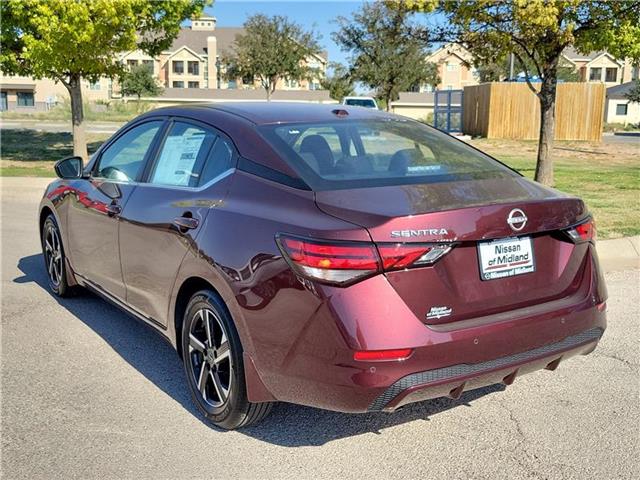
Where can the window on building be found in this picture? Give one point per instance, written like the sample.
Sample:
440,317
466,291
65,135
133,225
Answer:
611,75
132,63
595,74
621,109
247,80
194,84
193,68
451,67
178,84
178,67
94,85
25,99
148,64
232,85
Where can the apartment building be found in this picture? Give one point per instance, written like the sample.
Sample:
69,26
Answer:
192,62
601,67
455,68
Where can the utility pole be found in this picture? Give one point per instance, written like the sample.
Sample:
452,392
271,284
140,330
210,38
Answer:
511,67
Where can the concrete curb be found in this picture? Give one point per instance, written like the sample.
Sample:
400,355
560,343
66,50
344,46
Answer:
619,253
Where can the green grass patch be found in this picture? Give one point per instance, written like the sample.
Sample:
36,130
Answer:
27,171
112,111
611,189
32,145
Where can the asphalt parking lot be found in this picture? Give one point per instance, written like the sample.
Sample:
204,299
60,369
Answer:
88,392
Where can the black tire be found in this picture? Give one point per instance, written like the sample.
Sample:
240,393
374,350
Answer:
215,373
54,258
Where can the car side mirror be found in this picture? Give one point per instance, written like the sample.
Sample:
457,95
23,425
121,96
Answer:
70,167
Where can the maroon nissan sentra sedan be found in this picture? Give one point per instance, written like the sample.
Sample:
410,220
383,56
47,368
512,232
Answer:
325,255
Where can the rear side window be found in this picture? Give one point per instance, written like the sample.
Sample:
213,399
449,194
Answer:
190,156
123,160
367,153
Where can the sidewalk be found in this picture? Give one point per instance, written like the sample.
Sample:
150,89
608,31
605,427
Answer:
619,253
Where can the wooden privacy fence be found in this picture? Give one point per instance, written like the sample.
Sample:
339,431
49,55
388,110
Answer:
511,110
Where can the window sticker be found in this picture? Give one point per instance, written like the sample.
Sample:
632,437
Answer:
179,154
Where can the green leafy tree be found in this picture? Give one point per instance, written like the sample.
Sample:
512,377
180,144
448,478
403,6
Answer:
70,41
384,52
272,49
339,83
633,95
536,32
139,81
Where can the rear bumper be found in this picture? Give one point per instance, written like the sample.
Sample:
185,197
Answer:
317,367
454,380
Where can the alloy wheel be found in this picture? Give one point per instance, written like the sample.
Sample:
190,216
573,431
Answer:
53,255
210,357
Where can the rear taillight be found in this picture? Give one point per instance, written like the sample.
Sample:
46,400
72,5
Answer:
331,262
584,232
342,263
405,255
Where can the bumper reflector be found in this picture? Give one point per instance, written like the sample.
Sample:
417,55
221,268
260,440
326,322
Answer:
382,355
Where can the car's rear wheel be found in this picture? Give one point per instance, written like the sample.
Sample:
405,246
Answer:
54,259
212,355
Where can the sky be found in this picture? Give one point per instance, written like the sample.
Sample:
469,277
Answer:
319,15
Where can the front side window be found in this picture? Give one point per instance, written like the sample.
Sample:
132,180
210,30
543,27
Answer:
369,153
178,84
190,156
611,75
595,74
25,99
621,109
194,84
123,160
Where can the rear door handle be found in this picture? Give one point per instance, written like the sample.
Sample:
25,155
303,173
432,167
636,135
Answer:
114,209
185,223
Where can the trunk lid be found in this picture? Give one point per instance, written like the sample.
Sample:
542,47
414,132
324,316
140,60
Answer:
466,213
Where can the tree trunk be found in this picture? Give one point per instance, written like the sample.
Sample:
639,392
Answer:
547,97
74,87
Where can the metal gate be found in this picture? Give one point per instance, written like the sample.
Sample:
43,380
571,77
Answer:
447,110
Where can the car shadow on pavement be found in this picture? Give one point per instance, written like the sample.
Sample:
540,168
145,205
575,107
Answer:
288,425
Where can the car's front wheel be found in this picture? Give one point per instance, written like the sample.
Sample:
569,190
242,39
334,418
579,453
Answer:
212,355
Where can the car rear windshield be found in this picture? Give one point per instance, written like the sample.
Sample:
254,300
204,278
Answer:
369,153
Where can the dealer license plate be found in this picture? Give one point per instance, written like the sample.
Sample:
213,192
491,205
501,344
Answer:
506,258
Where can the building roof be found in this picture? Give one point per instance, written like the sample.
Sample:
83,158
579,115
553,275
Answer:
196,40
427,98
620,91
572,54
416,97
200,94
